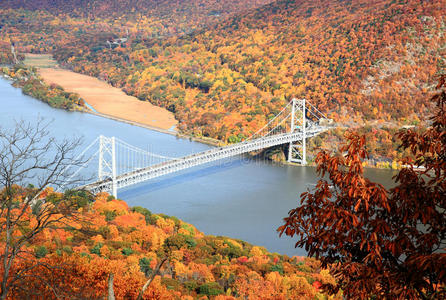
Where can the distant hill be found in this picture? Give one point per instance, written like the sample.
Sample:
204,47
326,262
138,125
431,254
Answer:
174,10
357,60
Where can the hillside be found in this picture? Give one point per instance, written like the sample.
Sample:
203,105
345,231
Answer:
363,63
168,16
106,8
73,259
355,55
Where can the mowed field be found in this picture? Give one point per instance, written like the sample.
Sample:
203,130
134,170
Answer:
103,97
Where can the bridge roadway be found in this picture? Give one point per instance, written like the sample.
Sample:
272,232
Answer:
193,160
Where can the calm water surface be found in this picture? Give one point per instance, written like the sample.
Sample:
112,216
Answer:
237,197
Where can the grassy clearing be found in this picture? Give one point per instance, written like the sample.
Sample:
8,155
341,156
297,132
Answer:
40,60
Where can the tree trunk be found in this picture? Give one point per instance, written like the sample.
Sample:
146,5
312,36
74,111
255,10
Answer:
111,293
6,261
3,294
155,272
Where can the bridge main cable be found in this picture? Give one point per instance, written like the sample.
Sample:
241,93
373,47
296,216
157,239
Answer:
193,160
274,133
136,149
270,122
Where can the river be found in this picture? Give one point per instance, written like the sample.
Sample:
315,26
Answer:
239,197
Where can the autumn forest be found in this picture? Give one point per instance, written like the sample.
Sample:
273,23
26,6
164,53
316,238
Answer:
224,69
365,64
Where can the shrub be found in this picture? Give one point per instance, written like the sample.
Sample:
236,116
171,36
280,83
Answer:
96,249
177,241
110,215
40,251
211,289
143,211
230,251
188,228
144,264
277,268
67,249
191,285
170,283
127,251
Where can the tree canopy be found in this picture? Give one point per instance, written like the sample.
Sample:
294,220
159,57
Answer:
380,242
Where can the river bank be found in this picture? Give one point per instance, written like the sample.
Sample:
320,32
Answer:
31,84
207,141
24,75
109,100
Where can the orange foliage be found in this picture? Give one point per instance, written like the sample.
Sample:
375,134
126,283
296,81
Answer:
125,244
360,62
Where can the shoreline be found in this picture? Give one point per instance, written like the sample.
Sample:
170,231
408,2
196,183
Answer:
209,141
107,99
206,141
94,93
85,109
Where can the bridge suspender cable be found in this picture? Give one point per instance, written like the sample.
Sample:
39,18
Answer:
122,164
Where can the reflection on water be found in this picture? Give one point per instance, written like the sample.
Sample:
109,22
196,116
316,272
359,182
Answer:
236,197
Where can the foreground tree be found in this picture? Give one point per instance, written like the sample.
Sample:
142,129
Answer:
30,162
380,243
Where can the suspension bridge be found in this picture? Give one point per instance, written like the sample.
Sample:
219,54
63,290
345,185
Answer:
121,164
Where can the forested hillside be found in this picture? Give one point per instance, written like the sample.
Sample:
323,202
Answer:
73,259
164,17
363,63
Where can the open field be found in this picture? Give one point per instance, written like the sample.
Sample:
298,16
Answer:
109,100
40,60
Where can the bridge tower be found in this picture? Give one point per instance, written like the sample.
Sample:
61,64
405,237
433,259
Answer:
297,151
107,161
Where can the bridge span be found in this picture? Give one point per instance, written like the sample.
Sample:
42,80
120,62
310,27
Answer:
190,161
296,122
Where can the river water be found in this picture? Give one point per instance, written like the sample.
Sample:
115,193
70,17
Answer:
238,197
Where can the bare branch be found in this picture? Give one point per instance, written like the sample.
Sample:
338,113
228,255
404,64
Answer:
30,162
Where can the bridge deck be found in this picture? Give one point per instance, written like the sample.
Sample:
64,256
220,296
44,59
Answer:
193,160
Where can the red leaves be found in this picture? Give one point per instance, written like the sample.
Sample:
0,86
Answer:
242,259
355,221
317,285
290,232
357,205
379,242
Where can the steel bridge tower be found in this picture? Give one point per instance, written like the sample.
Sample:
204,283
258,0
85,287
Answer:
107,161
297,151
